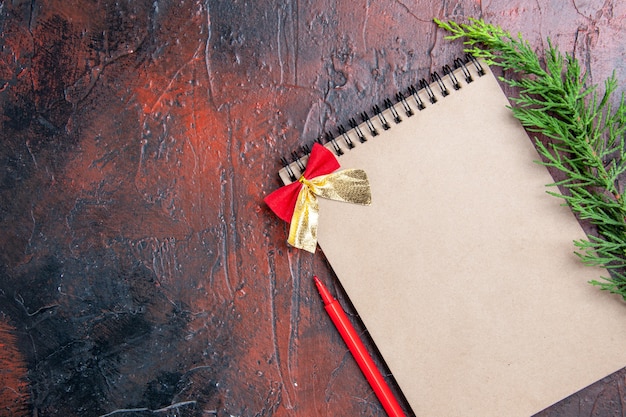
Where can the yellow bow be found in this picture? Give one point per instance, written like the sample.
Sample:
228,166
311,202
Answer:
350,186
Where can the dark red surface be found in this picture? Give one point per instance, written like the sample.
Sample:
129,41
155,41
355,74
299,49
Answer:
140,270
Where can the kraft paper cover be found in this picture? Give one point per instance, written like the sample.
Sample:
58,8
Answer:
463,268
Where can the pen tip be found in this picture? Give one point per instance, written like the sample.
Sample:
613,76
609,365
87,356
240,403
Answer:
324,293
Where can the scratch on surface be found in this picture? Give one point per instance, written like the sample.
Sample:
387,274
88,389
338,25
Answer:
20,300
279,47
159,256
578,10
164,259
31,13
190,143
331,381
406,8
365,23
294,268
30,152
620,391
296,38
293,325
286,37
583,42
174,77
225,236
32,233
540,22
370,401
174,406
227,191
274,319
194,120
142,158
142,409
435,34
124,410
207,59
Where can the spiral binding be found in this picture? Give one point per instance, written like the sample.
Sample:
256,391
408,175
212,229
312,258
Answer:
404,102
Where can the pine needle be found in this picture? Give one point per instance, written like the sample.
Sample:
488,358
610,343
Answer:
585,131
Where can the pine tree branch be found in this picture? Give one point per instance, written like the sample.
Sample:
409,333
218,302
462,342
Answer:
585,132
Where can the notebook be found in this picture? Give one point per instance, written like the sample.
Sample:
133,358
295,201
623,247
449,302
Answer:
463,267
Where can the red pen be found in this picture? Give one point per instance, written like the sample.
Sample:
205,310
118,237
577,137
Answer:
358,350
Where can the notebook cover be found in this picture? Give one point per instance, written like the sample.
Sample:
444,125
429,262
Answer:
463,268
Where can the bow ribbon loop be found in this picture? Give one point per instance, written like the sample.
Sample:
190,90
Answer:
297,202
